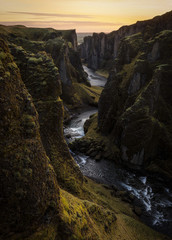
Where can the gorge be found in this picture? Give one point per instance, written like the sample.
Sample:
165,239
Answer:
154,198
116,175
135,98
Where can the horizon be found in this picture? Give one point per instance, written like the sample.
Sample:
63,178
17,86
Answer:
77,32
84,16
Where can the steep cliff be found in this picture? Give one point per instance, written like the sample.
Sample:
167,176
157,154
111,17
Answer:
100,50
62,46
51,69
138,95
42,80
135,115
32,205
29,190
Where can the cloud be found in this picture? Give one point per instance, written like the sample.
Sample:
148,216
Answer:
53,15
51,23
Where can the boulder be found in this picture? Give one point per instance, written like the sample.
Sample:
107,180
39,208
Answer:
138,210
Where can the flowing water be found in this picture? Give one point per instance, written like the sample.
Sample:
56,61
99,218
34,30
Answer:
94,78
152,193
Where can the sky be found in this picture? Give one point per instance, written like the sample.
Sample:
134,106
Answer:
84,16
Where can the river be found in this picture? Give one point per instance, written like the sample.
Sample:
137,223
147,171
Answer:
94,78
151,192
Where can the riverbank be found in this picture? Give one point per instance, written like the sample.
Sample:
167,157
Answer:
152,200
102,73
95,78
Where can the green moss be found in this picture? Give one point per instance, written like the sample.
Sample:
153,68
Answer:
135,41
29,123
34,60
70,45
163,34
12,65
44,83
85,94
161,67
3,55
140,230
128,71
75,215
28,118
72,185
7,74
88,220
91,215
103,73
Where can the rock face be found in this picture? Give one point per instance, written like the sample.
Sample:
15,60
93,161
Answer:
32,204
135,106
100,50
51,69
29,191
60,45
42,80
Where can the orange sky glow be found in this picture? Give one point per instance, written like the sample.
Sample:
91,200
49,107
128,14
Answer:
84,16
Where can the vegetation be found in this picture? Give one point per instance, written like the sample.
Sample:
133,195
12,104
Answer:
43,193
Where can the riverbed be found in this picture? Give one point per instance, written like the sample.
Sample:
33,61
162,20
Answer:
94,78
152,193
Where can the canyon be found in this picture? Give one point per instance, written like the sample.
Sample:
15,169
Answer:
134,112
44,87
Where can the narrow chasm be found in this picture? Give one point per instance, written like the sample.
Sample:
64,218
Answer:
86,133
151,200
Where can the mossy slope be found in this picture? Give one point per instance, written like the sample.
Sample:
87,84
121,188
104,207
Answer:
42,79
29,190
51,69
135,106
133,126
62,46
100,49
32,205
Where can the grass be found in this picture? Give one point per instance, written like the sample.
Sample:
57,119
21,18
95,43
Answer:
128,71
103,73
96,215
87,95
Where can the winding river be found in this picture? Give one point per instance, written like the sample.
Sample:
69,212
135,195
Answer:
151,192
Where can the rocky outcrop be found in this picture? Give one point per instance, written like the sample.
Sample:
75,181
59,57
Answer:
51,69
29,191
42,80
61,46
100,50
32,204
135,106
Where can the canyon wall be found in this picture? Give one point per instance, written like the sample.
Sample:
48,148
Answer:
61,46
52,71
134,120
33,163
42,79
29,189
135,106
37,173
100,50
34,158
